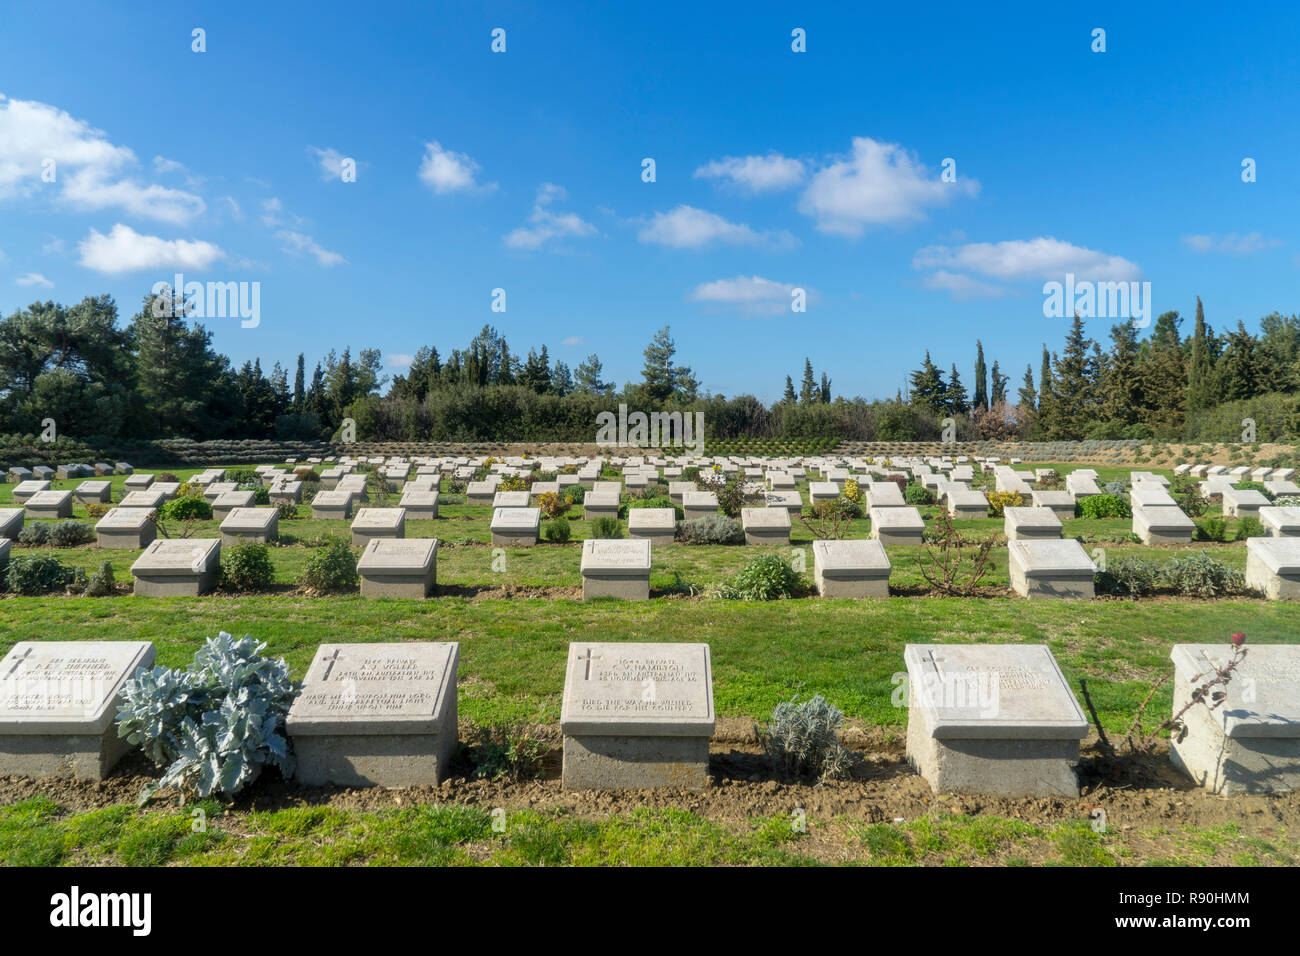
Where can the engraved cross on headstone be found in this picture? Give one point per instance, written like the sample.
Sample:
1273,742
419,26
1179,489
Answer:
933,660
18,662
329,664
587,660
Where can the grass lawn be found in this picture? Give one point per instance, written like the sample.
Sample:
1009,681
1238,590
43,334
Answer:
514,623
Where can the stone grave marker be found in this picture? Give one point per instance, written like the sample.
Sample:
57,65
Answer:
637,716
376,715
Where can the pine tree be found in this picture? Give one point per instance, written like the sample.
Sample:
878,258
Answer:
587,378
825,390
1028,397
981,399
299,386
958,404
1072,388
998,393
1121,385
1044,419
663,379
789,398
808,393
1201,384
928,388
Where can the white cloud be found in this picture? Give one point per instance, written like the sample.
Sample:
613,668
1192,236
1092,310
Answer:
964,288
54,246
1022,259
1231,244
125,250
34,278
400,360
755,174
89,189
753,295
879,184
446,172
1016,260
689,228
296,243
331,163
236,211
547,225
161,164
574,340
88,169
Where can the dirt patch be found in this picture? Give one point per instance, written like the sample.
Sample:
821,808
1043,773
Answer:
883,788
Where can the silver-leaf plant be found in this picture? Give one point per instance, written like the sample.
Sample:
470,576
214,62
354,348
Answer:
213,726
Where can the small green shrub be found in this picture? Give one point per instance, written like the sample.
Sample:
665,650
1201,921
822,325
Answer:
332,568
1104,506
514,752
1186,492
213,726
31,575
606,527
917,494
34,535
1212,529
286,511
186,508
1200,575
247,567
166,476
102,583
1129,577
1249,527
999,501
731,496
70,534
557,530
768,577
711,529
801,740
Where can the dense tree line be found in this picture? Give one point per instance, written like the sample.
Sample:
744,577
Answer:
158,376
1166,385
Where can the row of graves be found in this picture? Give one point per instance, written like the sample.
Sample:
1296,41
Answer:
1042,564
982,718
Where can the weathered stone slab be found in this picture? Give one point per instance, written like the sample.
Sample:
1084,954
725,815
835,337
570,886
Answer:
419,505
11,522
143,499
1239,503
637,716
515,527
398,567
241,525
172,567
1250,743
656,525
511,499
1273,567
600,504
967,504
791,501
332,505
1050,569
58,702
766,526
852,568
93,492
1025,523
228,501
822,491
376,715
884,494
699,504
1061,503
126,529
993,719
378,523
617,568
49,504
897,526
25,489
1278,522
1162,524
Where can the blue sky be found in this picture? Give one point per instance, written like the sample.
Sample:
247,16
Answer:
522,170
